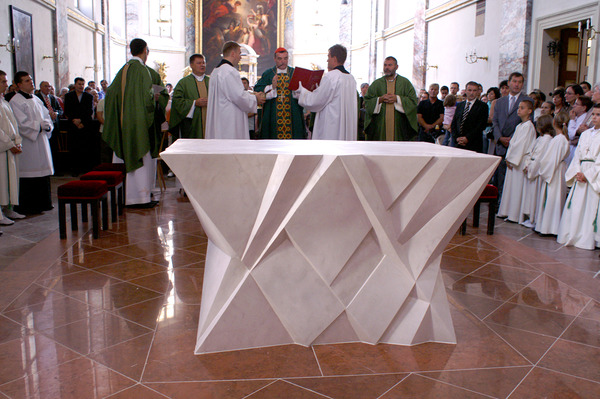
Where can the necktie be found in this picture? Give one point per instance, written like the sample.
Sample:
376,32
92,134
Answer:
511,103
464,116
48,105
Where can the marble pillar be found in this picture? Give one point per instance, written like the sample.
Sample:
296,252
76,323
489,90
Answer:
191,8
61,61
373,73
105,44
515,29
346,30
288,28
420,45
132,19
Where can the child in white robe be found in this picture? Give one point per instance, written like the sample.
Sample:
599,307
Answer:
578,225
532,182
520,144
552,171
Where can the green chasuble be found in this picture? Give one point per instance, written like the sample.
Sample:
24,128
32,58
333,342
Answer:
160,111
405,123
184,95
127,134
281,117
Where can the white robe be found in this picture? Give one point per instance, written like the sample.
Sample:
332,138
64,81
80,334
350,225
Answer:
532,182
520,144
335,102
572,127
554,190
140,182
9,162
228,105
31,116
580,214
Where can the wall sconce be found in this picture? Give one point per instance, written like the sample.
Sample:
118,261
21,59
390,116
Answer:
553,48
589,30
472,57
427,67
11,45
54,57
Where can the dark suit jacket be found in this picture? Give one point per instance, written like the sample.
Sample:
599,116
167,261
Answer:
54,104
473,127
505,121
79,110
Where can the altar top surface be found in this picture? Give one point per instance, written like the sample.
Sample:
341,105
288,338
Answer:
316,147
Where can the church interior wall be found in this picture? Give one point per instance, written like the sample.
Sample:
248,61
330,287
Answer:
452,36
42,17
401,47
82,57
548,18
399,12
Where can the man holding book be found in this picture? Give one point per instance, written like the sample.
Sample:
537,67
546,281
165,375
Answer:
281,116
335,101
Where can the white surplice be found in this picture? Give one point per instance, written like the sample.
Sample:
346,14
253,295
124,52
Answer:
580,214
335,103
33,119
520,144
532,182
554,190
228,105
572,128
9,162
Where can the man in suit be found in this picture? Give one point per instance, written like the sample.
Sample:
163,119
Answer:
78,110
56,112
470,120
505,121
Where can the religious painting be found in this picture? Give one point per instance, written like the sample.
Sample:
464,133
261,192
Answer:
23,41
250,22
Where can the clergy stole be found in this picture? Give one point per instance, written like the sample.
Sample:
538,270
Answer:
123,82
390,113
283,107
203,93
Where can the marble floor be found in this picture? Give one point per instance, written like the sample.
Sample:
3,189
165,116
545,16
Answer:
117,317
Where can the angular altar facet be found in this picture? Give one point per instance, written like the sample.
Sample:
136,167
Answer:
314,242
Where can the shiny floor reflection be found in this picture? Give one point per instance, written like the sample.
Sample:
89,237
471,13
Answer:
117,317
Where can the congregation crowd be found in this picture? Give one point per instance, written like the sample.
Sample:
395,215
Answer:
548,177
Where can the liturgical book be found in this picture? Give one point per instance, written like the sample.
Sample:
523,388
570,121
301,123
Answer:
309,78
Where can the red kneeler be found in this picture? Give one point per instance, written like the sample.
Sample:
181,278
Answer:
120,167
489,195
84,193
114,182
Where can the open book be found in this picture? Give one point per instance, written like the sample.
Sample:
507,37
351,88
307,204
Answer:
309,78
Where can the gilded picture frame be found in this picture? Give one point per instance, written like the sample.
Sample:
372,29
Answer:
260,24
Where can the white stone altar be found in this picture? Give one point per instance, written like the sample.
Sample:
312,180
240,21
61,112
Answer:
318,242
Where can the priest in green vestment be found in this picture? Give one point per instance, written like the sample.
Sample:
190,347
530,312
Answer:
391,106
129,129
160,111
190,98
129,110
281,116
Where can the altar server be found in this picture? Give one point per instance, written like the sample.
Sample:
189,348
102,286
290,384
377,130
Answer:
520,144
532,181
334,101
552,170
10,147
35,163
579,222
228,102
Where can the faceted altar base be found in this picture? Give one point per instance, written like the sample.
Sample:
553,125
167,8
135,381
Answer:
339,246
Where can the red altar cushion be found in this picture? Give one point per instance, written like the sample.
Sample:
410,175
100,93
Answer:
110,166
112,178
82,189
489,192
